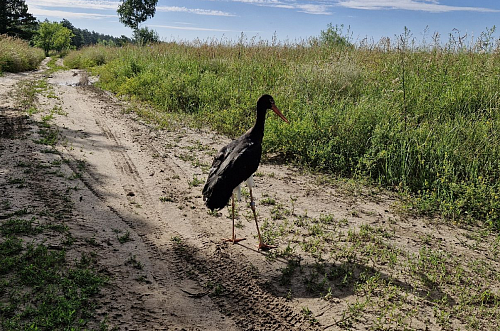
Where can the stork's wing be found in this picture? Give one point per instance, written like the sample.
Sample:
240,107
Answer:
219,158
232,165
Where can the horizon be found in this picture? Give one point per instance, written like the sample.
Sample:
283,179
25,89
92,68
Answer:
283,20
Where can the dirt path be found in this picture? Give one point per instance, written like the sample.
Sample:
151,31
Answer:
129,166
172,271
124,168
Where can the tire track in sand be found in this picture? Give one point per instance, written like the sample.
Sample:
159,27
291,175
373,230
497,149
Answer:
194,279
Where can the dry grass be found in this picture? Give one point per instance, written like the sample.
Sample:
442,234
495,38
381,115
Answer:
420,120
16,55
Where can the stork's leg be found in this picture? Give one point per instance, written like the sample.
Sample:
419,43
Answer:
234,240
261,243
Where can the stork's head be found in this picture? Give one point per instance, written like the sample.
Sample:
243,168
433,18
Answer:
266,102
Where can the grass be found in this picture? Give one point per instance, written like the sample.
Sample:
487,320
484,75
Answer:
383,283
195,181
40,287
44,283
53,66
420,120
124,238
54,296
26,94
16,55
376,128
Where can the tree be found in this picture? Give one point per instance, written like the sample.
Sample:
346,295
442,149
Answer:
53,36
144,36
334,37
134,12
15,19
77,39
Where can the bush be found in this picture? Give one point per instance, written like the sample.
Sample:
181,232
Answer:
16,55
89,57
422,121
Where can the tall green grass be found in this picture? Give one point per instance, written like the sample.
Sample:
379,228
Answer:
16,55
422,120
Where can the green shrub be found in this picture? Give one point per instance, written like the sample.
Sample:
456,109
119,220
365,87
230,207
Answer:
426,122
89,57
16,55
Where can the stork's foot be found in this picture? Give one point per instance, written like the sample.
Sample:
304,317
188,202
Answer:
234,240
265,247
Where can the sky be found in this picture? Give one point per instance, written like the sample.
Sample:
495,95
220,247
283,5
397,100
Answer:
283,20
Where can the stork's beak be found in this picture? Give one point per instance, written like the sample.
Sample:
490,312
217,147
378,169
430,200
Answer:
277,111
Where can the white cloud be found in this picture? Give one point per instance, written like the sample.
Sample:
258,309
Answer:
261,2
308,7
314,9
323,7
193,11
47,5
190,28
84,4
433,6
36,11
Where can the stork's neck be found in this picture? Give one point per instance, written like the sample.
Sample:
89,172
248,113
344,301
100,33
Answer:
257,131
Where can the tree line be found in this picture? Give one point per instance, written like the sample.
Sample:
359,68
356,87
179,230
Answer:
84,37
16,21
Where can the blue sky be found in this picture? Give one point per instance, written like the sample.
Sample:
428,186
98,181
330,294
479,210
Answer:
288,20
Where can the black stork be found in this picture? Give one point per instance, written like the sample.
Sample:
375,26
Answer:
235,163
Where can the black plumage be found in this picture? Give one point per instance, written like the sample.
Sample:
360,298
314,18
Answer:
238,160
234,163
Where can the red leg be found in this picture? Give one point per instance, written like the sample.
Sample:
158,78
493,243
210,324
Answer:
234,240
262,245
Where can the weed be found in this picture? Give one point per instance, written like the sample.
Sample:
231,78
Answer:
306,311
288,272
195,182
50,136
20,226
92,241
132,261
326,219
214,213
16,55
268,201
6,205
359,119
269,232
279,212
177,240
309,315
125,238
53,66
315,281
81,165
217,289
238,224
63,296
166,199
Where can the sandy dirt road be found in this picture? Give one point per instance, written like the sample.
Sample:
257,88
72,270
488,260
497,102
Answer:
124,178
134,180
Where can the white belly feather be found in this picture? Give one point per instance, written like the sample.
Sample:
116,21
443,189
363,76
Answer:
237,190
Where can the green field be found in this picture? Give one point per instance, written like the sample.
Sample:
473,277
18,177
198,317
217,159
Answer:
420,119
